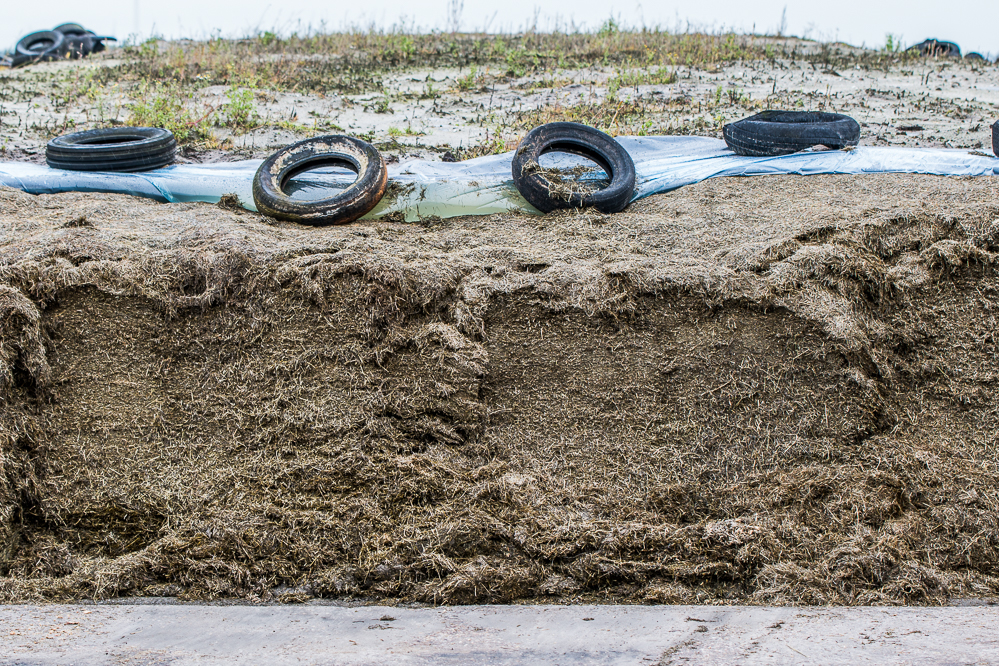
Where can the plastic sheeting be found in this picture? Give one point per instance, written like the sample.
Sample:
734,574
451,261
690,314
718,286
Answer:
484,185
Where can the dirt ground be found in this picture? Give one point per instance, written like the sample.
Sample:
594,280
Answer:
435,107
770,390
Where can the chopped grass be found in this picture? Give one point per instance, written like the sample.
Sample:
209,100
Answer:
753,390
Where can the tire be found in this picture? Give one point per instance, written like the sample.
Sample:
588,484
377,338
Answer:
935,48
42,45
995,138
334,150
71,29
772,133
579,140
114,149
80,42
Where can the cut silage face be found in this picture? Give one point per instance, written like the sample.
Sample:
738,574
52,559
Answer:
748,391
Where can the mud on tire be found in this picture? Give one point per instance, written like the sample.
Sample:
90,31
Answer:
335,150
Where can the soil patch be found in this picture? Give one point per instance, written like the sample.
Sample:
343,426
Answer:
775,390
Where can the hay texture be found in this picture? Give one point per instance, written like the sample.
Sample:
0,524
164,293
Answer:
776,390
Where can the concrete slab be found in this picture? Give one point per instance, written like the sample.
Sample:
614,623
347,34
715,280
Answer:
183,634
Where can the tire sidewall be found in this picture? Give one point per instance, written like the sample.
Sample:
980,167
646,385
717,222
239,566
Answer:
90,150
346,206
582,140
57,39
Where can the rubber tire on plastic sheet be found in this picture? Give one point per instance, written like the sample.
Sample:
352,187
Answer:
579,140
772,133
334,150
112,149
24,53
995,138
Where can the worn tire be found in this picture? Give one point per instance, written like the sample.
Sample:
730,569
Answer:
80,42
935,48
42,45
334,150
579,140
771,133
995,138
112,149
71,28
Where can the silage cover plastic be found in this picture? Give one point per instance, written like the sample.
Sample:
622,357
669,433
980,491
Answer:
484,185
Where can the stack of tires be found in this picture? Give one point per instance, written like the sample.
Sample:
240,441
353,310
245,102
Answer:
69,40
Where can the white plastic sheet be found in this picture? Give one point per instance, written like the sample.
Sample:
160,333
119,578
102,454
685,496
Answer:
484,185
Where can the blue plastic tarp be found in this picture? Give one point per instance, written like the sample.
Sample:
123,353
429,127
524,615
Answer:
484,185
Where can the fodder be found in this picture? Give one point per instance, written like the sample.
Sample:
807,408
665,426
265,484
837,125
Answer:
768,390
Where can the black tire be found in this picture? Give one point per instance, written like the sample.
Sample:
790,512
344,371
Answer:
995,138
42,45
80,42
112,149
335,150
771,133
579,140
71,29
935,48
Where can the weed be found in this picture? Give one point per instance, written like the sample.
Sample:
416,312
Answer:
408,131
353,62
163,106
470,81
381,106
491,145
429,92
609,28
239,113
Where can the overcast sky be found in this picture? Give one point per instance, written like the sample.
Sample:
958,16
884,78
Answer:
973,24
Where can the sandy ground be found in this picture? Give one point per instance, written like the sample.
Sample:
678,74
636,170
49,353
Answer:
423,113
592,635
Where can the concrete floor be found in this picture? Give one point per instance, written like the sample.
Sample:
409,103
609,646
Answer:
181,634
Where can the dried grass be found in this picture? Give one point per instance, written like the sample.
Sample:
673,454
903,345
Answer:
768,390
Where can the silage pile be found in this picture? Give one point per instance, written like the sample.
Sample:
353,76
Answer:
768,390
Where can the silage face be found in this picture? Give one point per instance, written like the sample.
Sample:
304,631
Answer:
764,391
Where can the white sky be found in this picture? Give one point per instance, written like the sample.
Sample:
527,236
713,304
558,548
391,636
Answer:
973,24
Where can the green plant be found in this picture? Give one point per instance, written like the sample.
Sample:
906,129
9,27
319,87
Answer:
165,106
408,131
239,113
736,96
382,106
471,80
609,28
